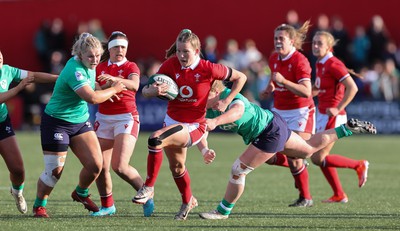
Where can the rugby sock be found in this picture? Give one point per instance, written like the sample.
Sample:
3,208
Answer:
183,183
107,201
17,189
154,161
342,131
280,160
83,192
225,208
40,202
339,161
332,177
301,181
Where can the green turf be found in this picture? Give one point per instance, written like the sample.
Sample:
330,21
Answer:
263,206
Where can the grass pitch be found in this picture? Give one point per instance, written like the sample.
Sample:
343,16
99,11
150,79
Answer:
263,206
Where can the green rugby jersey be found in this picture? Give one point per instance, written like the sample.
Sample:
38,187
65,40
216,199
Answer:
251,124
7,75
65,104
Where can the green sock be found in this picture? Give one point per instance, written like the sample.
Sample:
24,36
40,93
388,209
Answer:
40,203
225,207
18,187
83,192
342,131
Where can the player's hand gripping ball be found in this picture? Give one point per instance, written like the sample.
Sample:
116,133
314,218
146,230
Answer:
172,91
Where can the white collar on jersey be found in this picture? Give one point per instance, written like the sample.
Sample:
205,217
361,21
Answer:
194,65
326,57
289,55
117,63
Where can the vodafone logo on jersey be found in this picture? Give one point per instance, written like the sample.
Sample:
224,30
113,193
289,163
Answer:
186,92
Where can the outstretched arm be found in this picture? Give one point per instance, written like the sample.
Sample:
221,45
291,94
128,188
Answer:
41,77
234,113
96,97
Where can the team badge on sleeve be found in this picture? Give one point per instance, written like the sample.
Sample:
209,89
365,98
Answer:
3,84
78,76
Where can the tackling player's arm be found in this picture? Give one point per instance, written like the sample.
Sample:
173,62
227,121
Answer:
234,112
239,79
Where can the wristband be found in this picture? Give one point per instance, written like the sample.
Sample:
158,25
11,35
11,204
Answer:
204,151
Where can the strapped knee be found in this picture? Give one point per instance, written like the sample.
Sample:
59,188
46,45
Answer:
52,162
239,172
156,141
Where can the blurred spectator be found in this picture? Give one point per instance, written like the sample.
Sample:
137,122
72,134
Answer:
40,43
397,55
210,49
261,73
322,25
360,48
96,29
57,62
372,80
292,18
340,33
233,55
378,36
56,39
251,54
82,27
390,52
389,81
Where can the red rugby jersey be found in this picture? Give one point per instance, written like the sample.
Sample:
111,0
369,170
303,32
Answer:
295,68
330,73
127,102
194,83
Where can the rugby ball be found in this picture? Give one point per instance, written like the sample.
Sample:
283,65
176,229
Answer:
172,91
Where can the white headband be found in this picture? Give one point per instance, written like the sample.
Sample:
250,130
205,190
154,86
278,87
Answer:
117,42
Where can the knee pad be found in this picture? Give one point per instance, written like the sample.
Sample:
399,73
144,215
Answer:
51,162
239,172
156,141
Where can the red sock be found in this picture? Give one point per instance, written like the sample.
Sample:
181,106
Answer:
183,183
332,177
301,181
107,201
154,161
280,160
339,161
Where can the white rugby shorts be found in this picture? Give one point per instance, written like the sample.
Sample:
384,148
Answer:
300,119
324,122
109,126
